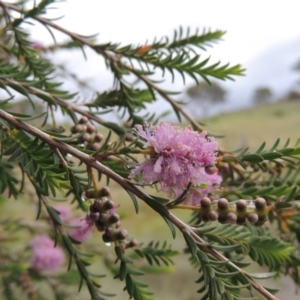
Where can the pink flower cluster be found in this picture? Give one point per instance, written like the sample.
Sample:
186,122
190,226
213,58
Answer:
44,255
83,228
178,157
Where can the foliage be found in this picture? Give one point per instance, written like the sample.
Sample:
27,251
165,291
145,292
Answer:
204,96
253,216
262,95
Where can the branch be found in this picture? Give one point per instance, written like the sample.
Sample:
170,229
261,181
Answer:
149,83
92,162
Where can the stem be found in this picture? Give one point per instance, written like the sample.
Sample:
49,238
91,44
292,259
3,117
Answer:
92,162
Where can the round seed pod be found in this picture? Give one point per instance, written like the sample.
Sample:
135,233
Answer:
109,204
205,202
113,218
92,209
252,218
223,204
98,205
86,137
231,218
83,120
122,234
90,193
99,137
90,128
132,243
100,226
211,169
105,191
241,209
103,218
95,146
77,128
212,215
109,231
241,205
260,203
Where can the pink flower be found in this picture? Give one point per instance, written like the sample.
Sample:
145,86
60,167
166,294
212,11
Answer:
177,157
83,232
37,45
44,255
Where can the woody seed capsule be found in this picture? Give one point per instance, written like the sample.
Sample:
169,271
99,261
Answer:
98,137
252,218
260,203
211,169
90,128
83,120
95,146
222,203
212,215
231,217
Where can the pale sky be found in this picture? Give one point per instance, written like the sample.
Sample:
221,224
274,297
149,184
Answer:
251,26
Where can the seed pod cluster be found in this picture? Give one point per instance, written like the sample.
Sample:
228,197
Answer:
90,139
106,220
255,211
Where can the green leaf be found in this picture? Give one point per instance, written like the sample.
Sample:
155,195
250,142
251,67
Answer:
225,248
262,275
134,200
253,158
190,242
269,251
